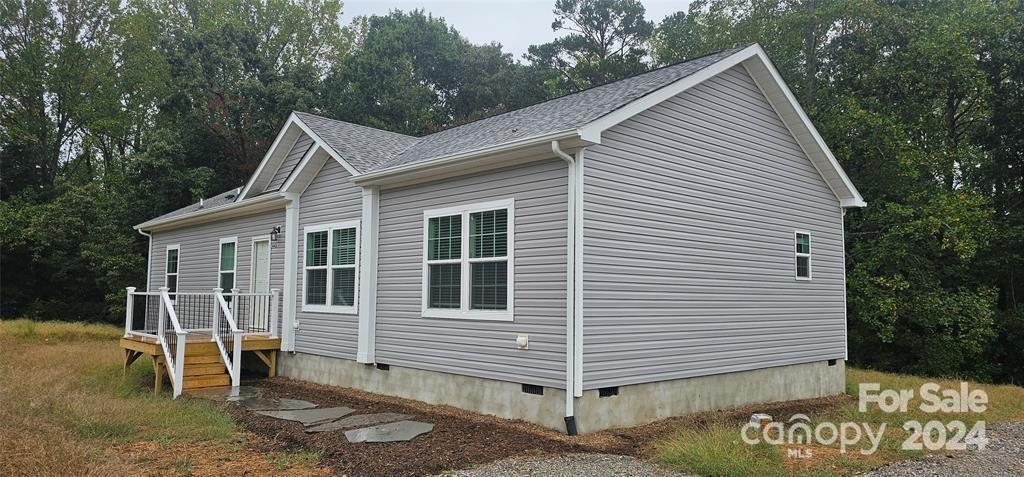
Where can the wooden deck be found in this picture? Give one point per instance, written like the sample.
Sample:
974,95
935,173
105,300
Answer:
202,358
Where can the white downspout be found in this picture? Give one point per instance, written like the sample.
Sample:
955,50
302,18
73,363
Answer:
570,293
149,257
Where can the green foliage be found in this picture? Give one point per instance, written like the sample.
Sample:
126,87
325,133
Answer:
607,40
112,113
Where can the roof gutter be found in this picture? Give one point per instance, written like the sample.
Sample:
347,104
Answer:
373,177
256,204
572,268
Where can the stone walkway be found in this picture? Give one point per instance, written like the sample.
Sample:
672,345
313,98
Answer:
379,427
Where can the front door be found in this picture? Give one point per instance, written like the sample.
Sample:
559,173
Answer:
260,305
260,266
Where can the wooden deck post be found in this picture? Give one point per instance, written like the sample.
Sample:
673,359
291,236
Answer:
158,372
129,310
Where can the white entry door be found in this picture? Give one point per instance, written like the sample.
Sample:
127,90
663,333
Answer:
260,266
259,306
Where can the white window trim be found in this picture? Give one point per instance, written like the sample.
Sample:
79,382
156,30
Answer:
465,312
337,309
234,263
796,255
177,274
252,260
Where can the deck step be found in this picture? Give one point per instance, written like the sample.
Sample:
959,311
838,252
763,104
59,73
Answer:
204,369
201,358
207,381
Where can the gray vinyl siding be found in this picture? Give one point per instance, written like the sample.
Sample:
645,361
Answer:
302,145
472,347
331,197
690,212
200,250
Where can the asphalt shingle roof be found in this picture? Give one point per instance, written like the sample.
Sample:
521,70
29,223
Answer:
363,147
370,150
219,200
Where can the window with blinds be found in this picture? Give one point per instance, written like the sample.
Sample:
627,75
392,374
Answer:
331,268
468,263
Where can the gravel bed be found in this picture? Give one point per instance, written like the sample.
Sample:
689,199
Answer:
1003,456
571,465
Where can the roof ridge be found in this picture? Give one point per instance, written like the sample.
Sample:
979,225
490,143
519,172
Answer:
652,70
304,113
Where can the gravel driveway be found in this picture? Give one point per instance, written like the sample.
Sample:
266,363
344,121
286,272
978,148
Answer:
1004,455
571,465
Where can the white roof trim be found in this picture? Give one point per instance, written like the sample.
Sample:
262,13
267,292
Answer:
297,172
323,144
256,204
271,152
778,94
274,154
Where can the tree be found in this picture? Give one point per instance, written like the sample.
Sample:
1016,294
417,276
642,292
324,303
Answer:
412,73
607,40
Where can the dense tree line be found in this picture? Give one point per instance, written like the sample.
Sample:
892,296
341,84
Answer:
114,112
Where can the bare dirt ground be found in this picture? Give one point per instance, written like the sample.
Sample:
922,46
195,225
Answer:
460,439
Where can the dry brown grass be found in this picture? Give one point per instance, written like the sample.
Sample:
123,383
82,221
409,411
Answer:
65,410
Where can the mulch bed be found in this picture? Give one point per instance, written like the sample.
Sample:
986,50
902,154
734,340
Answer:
460,438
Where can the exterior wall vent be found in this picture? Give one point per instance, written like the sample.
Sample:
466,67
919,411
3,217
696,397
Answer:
383,367
533,389
608,392
831,362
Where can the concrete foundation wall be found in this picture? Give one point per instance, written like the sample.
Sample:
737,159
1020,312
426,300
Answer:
634,404
649,402
486,396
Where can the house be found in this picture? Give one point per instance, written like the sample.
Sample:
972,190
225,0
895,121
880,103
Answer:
664,244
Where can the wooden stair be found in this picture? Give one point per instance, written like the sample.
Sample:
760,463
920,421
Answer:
204,369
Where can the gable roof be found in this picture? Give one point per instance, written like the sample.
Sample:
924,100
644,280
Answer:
370,153
364,148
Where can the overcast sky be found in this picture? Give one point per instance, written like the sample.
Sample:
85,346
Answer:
516,24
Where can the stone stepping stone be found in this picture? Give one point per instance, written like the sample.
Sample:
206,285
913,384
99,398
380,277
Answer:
395,431
228,394
358,420
310,417
275,404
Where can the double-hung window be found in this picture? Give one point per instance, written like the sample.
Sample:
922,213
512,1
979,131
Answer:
467,261
330,282
803,256
171,268
226,264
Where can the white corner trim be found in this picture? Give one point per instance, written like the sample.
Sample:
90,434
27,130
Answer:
291,247
465,312
578,276
329,308
366,346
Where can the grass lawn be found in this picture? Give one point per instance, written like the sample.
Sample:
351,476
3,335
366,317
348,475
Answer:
715,448
67,410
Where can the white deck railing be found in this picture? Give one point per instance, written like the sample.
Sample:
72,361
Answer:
170,318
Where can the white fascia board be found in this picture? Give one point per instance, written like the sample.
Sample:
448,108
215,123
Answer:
302,165
373,177
256,204
270,153
326,147
811,141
